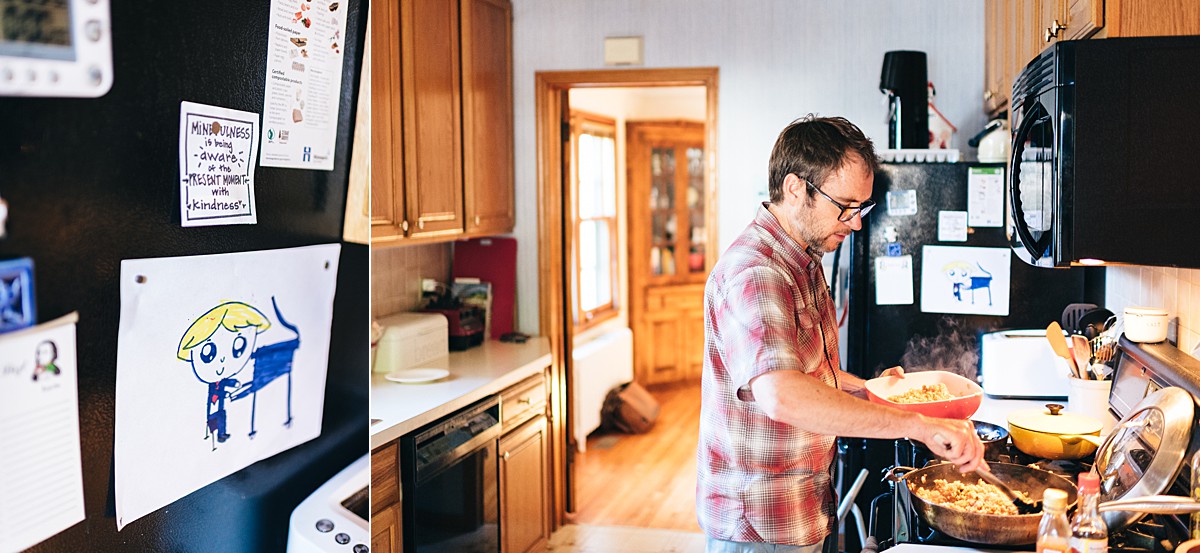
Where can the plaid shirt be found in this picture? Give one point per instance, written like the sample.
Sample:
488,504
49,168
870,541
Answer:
766,308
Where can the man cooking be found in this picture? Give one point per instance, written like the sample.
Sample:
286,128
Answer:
773,398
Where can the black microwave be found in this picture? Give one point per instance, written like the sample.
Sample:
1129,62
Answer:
1104,154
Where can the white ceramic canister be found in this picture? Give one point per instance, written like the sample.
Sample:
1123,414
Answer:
1146,324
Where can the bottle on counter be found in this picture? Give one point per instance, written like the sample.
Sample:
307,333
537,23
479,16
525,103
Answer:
1089,532
1196,494
1054,532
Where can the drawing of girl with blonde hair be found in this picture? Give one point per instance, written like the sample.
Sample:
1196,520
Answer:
219,345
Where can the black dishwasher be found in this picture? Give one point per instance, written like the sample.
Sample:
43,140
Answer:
448,474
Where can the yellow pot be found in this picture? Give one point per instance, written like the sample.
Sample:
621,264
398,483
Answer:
1051,433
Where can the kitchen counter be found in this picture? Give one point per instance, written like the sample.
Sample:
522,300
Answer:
474,373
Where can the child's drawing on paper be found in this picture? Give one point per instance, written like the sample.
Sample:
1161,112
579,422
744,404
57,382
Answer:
233,337
219,345
965,278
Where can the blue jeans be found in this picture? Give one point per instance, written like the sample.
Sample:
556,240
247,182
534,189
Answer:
721,546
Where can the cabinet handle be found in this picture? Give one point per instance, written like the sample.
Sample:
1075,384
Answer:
477,220
421,224
404,226
506,455
525,401
987,95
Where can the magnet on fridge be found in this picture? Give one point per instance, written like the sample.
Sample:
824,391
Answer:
16,294
893,249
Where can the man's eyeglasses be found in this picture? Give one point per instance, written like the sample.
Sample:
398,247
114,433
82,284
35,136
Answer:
847,211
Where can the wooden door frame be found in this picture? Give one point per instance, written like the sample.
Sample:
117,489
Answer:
554,232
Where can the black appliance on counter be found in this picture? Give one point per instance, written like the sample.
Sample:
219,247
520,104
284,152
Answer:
1102,147
90,182
449,482
879,336
905,80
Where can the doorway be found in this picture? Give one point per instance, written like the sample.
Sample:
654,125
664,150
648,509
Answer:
558,262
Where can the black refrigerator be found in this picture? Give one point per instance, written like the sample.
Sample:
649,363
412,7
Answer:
875,337
92,181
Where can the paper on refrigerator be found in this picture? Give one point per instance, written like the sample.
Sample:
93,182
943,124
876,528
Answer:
41,492
305,51
221,362
218,152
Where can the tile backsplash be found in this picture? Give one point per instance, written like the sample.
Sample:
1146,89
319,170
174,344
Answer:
396,274
1176,290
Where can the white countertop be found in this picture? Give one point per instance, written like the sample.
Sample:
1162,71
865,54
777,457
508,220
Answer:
474,374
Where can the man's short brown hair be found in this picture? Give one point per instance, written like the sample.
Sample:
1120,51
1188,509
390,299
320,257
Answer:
815,147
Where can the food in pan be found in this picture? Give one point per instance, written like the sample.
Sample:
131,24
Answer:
923,394
980,497
300,42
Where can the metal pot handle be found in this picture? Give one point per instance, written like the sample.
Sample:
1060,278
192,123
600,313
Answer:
1153,504
898,473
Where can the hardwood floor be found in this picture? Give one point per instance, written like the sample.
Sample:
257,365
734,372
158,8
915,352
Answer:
574,538
645,480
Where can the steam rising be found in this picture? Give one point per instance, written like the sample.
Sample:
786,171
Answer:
954,349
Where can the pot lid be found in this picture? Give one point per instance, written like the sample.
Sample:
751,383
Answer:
1052,419
1145,451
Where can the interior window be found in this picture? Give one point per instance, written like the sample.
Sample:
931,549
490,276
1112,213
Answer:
594,183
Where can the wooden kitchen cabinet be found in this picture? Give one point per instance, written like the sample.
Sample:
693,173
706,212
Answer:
385,500
525,487
442,144
487,116
1018,30
670,248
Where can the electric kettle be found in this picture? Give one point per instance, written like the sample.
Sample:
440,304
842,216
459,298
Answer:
992,141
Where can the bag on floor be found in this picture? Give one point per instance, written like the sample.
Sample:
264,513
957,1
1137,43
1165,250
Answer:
629,408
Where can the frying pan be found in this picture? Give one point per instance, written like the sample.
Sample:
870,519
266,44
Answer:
976,527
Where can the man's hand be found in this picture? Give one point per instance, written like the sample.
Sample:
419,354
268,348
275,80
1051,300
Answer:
894,371
953,440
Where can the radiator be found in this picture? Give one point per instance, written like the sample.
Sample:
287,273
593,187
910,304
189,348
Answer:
599,365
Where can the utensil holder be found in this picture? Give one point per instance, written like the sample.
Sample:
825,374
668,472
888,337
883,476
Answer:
1090,397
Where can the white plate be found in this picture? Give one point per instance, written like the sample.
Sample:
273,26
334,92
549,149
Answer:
416,376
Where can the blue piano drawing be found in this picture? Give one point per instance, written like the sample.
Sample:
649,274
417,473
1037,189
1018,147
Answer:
219,345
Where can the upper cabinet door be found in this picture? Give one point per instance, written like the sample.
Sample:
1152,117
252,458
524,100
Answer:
387,144
432,117
487,115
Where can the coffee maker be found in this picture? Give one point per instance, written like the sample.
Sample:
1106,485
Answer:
904,79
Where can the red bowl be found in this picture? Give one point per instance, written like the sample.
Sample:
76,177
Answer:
968,394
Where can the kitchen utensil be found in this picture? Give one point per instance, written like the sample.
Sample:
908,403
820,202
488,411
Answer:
1094,322
1145,324
1072,315
1023,507
1081,352
1052,433
1090,399
967,394
977,527
1145,452
1058,343
992,141
1153,504
994,438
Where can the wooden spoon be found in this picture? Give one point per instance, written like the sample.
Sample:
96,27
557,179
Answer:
1058,343
1081,350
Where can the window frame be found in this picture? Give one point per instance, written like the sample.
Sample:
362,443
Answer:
597,125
